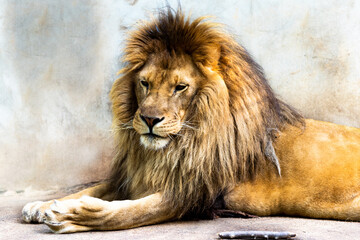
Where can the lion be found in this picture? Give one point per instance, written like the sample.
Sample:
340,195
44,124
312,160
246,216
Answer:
199,130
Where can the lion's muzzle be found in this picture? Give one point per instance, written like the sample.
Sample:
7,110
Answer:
151,121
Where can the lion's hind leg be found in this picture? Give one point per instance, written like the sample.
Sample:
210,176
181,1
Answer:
347,208
254,198
269,199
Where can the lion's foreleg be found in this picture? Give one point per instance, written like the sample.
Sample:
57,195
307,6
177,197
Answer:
88,213
34,211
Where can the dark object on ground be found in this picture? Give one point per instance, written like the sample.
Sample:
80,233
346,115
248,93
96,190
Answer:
256,235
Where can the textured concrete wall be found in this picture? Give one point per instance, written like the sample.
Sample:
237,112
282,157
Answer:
58,60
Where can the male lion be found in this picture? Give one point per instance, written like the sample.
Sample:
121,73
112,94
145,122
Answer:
198,128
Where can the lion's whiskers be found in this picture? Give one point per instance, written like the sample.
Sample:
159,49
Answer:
169,136
124,126
188,125
178,134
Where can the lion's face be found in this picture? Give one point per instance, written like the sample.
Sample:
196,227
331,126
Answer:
163,94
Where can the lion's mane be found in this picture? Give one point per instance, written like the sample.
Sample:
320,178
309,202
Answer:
230,131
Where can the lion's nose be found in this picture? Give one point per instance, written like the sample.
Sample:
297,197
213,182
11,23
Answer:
151,121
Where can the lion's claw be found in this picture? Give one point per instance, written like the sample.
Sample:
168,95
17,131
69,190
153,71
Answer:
61,227
54,219
53,224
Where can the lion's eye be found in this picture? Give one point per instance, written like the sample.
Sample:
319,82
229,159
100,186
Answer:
144,83
181,87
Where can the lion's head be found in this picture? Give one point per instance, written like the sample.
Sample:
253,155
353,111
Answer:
164,93
193,113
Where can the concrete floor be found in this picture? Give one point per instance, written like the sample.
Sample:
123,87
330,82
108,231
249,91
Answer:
12,227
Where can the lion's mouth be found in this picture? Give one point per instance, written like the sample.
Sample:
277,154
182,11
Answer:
153,141
153,136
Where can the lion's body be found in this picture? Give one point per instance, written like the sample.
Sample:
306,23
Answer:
320,176
195,122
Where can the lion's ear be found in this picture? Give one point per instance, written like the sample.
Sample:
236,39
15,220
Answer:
208,56
215,53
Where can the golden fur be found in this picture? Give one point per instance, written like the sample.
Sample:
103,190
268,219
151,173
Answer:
234,123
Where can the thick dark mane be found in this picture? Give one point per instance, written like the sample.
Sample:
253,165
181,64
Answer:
234,135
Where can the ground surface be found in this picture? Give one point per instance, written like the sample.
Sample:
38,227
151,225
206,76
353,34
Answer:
12,227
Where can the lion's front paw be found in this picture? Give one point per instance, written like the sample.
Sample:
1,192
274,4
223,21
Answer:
76,215
34,212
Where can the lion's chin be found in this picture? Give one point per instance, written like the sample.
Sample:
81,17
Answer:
154,142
